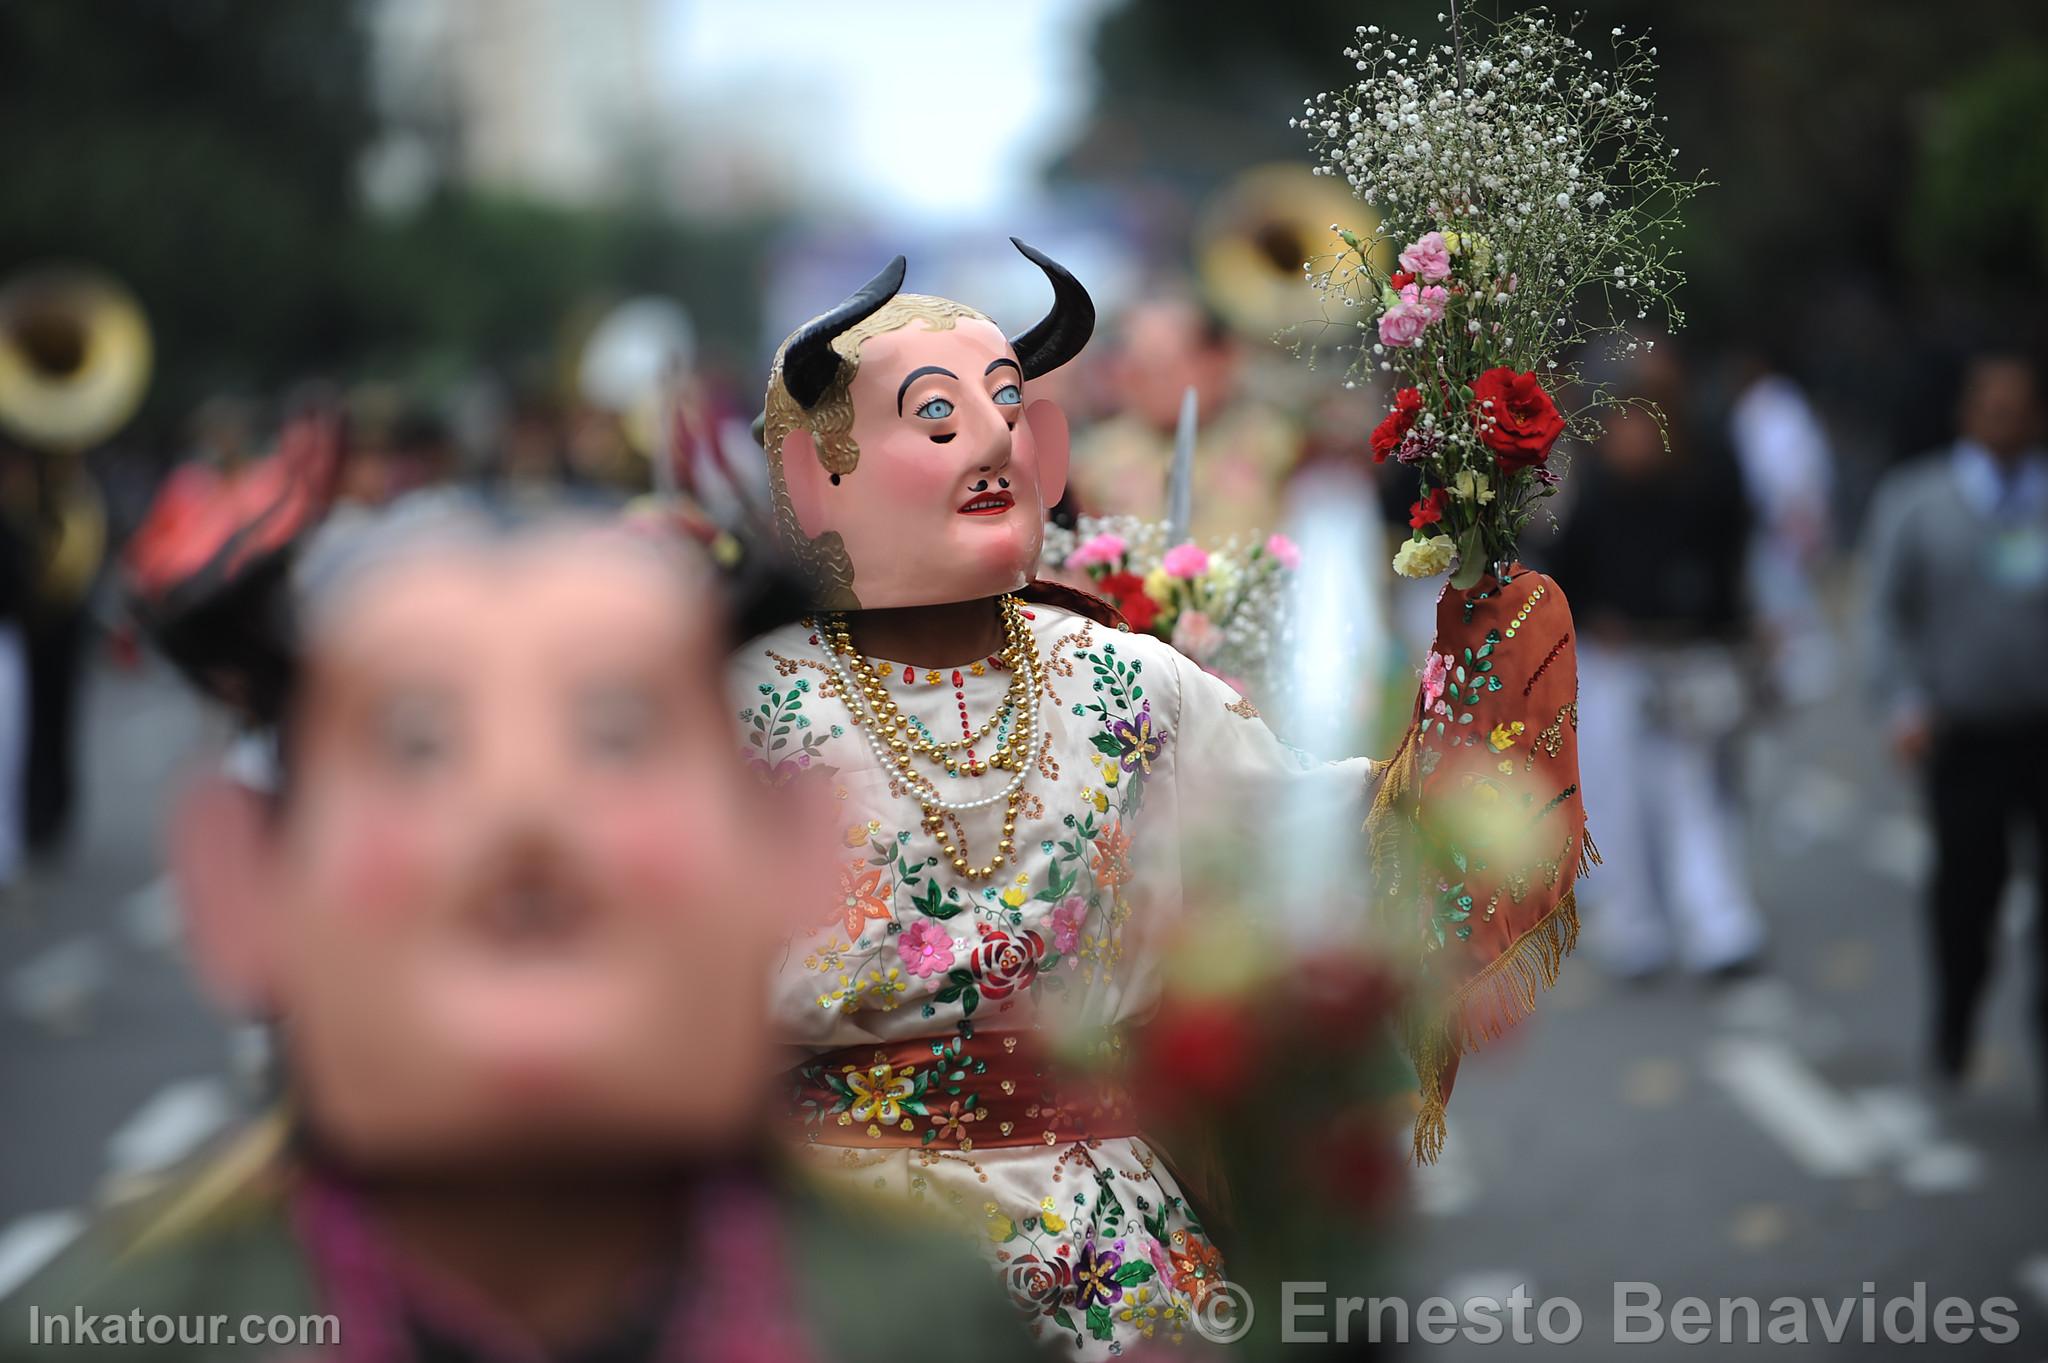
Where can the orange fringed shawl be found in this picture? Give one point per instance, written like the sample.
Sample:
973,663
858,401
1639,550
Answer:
1478,830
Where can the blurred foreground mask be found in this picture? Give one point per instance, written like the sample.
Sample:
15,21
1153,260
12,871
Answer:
908,468
504,904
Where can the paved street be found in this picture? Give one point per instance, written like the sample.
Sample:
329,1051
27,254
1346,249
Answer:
1765,1139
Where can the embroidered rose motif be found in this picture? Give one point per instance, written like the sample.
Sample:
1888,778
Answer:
1004,963
1038,1285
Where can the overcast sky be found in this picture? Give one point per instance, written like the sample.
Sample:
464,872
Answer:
928,109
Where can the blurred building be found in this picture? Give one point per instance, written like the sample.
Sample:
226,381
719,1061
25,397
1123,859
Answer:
559,99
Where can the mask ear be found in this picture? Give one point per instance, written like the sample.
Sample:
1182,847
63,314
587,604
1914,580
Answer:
806,480
219,847
1049,441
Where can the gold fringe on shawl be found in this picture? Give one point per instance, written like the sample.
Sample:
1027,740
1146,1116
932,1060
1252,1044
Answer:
1501,994
1486,1006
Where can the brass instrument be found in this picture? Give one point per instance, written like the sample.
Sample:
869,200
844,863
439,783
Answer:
1254,237
75,356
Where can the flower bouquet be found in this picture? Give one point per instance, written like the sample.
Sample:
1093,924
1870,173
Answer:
1522,200
1223,608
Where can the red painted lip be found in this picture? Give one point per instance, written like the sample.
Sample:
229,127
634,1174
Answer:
987,504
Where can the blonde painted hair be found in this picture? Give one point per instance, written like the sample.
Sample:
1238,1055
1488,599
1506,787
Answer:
830,423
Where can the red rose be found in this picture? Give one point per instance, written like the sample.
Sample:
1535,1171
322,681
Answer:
1428,511
1127,590
1387,437
1003,964
1515,417
1401,279
1199,1052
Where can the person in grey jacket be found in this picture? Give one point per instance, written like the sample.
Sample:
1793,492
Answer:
1956,617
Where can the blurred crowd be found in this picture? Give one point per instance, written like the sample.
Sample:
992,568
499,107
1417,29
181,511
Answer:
1728,561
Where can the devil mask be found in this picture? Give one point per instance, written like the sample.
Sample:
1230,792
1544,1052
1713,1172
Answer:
908,465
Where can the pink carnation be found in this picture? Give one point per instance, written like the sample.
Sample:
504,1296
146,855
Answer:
1428,257
1431,300
926,948
1196,635
1188,561
1285,550
1104,550
1403,324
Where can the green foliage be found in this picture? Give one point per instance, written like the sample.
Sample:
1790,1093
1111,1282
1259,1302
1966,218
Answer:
206,153
1980,195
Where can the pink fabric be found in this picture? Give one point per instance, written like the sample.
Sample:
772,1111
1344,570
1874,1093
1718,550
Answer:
735,1303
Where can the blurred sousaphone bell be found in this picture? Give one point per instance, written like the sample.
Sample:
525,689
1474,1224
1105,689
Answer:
1256,234
74,358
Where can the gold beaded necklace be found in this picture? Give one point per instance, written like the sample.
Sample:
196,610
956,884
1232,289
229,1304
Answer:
897,743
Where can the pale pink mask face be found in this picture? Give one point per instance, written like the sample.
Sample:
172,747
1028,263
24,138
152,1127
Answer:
956,471
522,893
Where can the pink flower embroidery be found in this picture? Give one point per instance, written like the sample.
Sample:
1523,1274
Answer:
1435,673
926,948
1066,923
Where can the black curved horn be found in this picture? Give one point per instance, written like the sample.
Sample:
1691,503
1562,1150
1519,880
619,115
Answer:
1060,336
809,363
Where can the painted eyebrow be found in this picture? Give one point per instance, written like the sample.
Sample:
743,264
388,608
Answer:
996,364
913,376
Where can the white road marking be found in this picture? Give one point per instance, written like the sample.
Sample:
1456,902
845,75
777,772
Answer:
1495,1284
1764,1005
2033,1276
1829,1136
1447,1188
56,988
151,916
31,1242
169,1126
1927,1163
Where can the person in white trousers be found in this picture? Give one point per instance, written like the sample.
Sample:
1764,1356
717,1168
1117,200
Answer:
1651,556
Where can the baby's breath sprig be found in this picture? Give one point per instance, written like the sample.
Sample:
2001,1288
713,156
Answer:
1524,201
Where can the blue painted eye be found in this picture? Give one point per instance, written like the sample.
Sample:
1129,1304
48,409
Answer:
1009,395
935,409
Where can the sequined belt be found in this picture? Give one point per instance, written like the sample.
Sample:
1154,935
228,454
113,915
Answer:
997,1090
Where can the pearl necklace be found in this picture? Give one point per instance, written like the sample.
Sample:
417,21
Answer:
896,745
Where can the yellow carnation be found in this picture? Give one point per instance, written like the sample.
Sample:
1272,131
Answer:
1425,558
1472,487
1159,586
